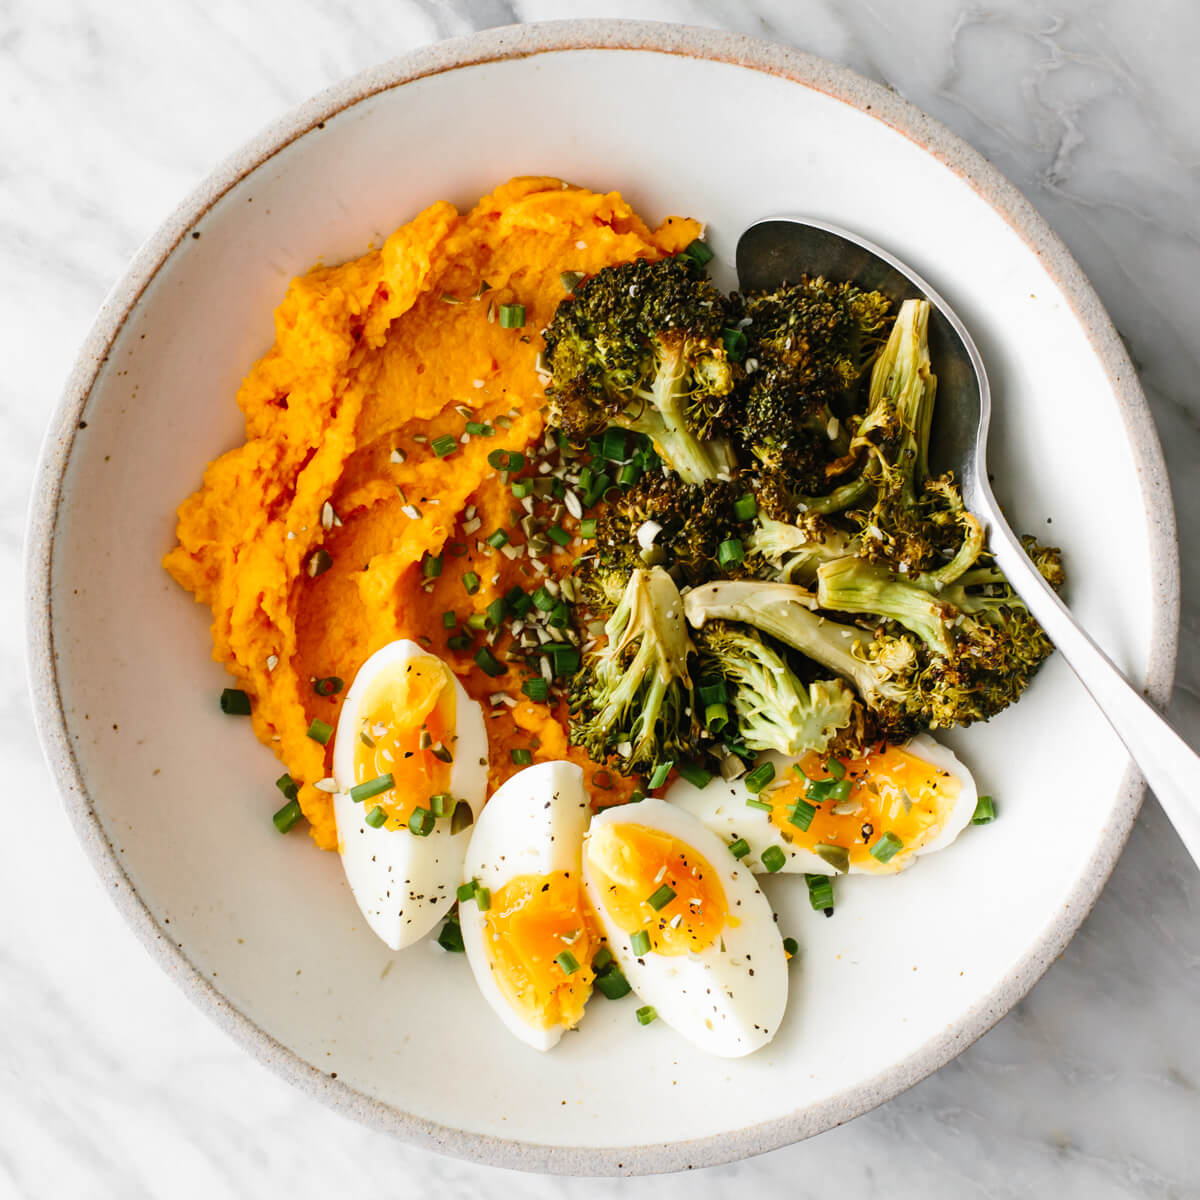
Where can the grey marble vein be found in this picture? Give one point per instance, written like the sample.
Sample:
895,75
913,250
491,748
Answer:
111,1085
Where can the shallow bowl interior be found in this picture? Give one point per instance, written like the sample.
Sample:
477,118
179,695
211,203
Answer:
174,800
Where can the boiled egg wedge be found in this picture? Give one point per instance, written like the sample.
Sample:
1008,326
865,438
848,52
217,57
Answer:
526,928
873,815
410,765
687,925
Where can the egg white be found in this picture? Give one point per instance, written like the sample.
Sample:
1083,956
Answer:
722,808
532,825
402,883
729,998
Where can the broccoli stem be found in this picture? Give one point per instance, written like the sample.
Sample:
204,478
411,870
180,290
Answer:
795,552
786,612
854,585
663,419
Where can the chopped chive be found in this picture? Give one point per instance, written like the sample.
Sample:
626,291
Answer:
659,899
364,791
713,691
441,804
735,346
512,316
612,445
442,753
319,731
611,984
570,280
639,943
470,582
745,508
568,962
498,539
791,947
375,817
506,460
886,847
838,857
479,429
697,776
646,1014
773,858
522,756
698,251
235,702
558,535
761,805
599,485
716,717
659,775
487,662
603,780
536,688
565,657
801,815
449,619
329,686
758,779
466,891
820,892
985,811
451,938
544,601
445,445
483,898
560,618
601,959
462,818
740,848
836,769
366,739
521,488
287,816
287,785
431,566
518,601
477,620
730,551
421,822
587,527
460,641
495,612
820,790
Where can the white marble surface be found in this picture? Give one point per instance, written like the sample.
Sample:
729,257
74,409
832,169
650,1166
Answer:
111,1085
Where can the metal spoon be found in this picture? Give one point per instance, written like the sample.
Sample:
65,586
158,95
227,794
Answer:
773,251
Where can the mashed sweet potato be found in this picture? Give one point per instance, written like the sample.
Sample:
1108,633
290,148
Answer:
307,541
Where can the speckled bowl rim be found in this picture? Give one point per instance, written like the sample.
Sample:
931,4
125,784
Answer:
518,42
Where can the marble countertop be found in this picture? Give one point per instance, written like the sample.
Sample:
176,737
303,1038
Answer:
111,1084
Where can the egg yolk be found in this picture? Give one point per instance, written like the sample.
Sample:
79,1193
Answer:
540,939
652,881
891,791
406,730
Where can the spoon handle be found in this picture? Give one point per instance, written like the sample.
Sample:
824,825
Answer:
1168,765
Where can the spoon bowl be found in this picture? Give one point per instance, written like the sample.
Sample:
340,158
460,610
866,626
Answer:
782,249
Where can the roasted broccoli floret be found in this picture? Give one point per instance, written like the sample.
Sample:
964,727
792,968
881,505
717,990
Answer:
905,684
632,702
774,710
807,345
640,345
663,521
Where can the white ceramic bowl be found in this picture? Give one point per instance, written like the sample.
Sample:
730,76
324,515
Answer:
173,801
